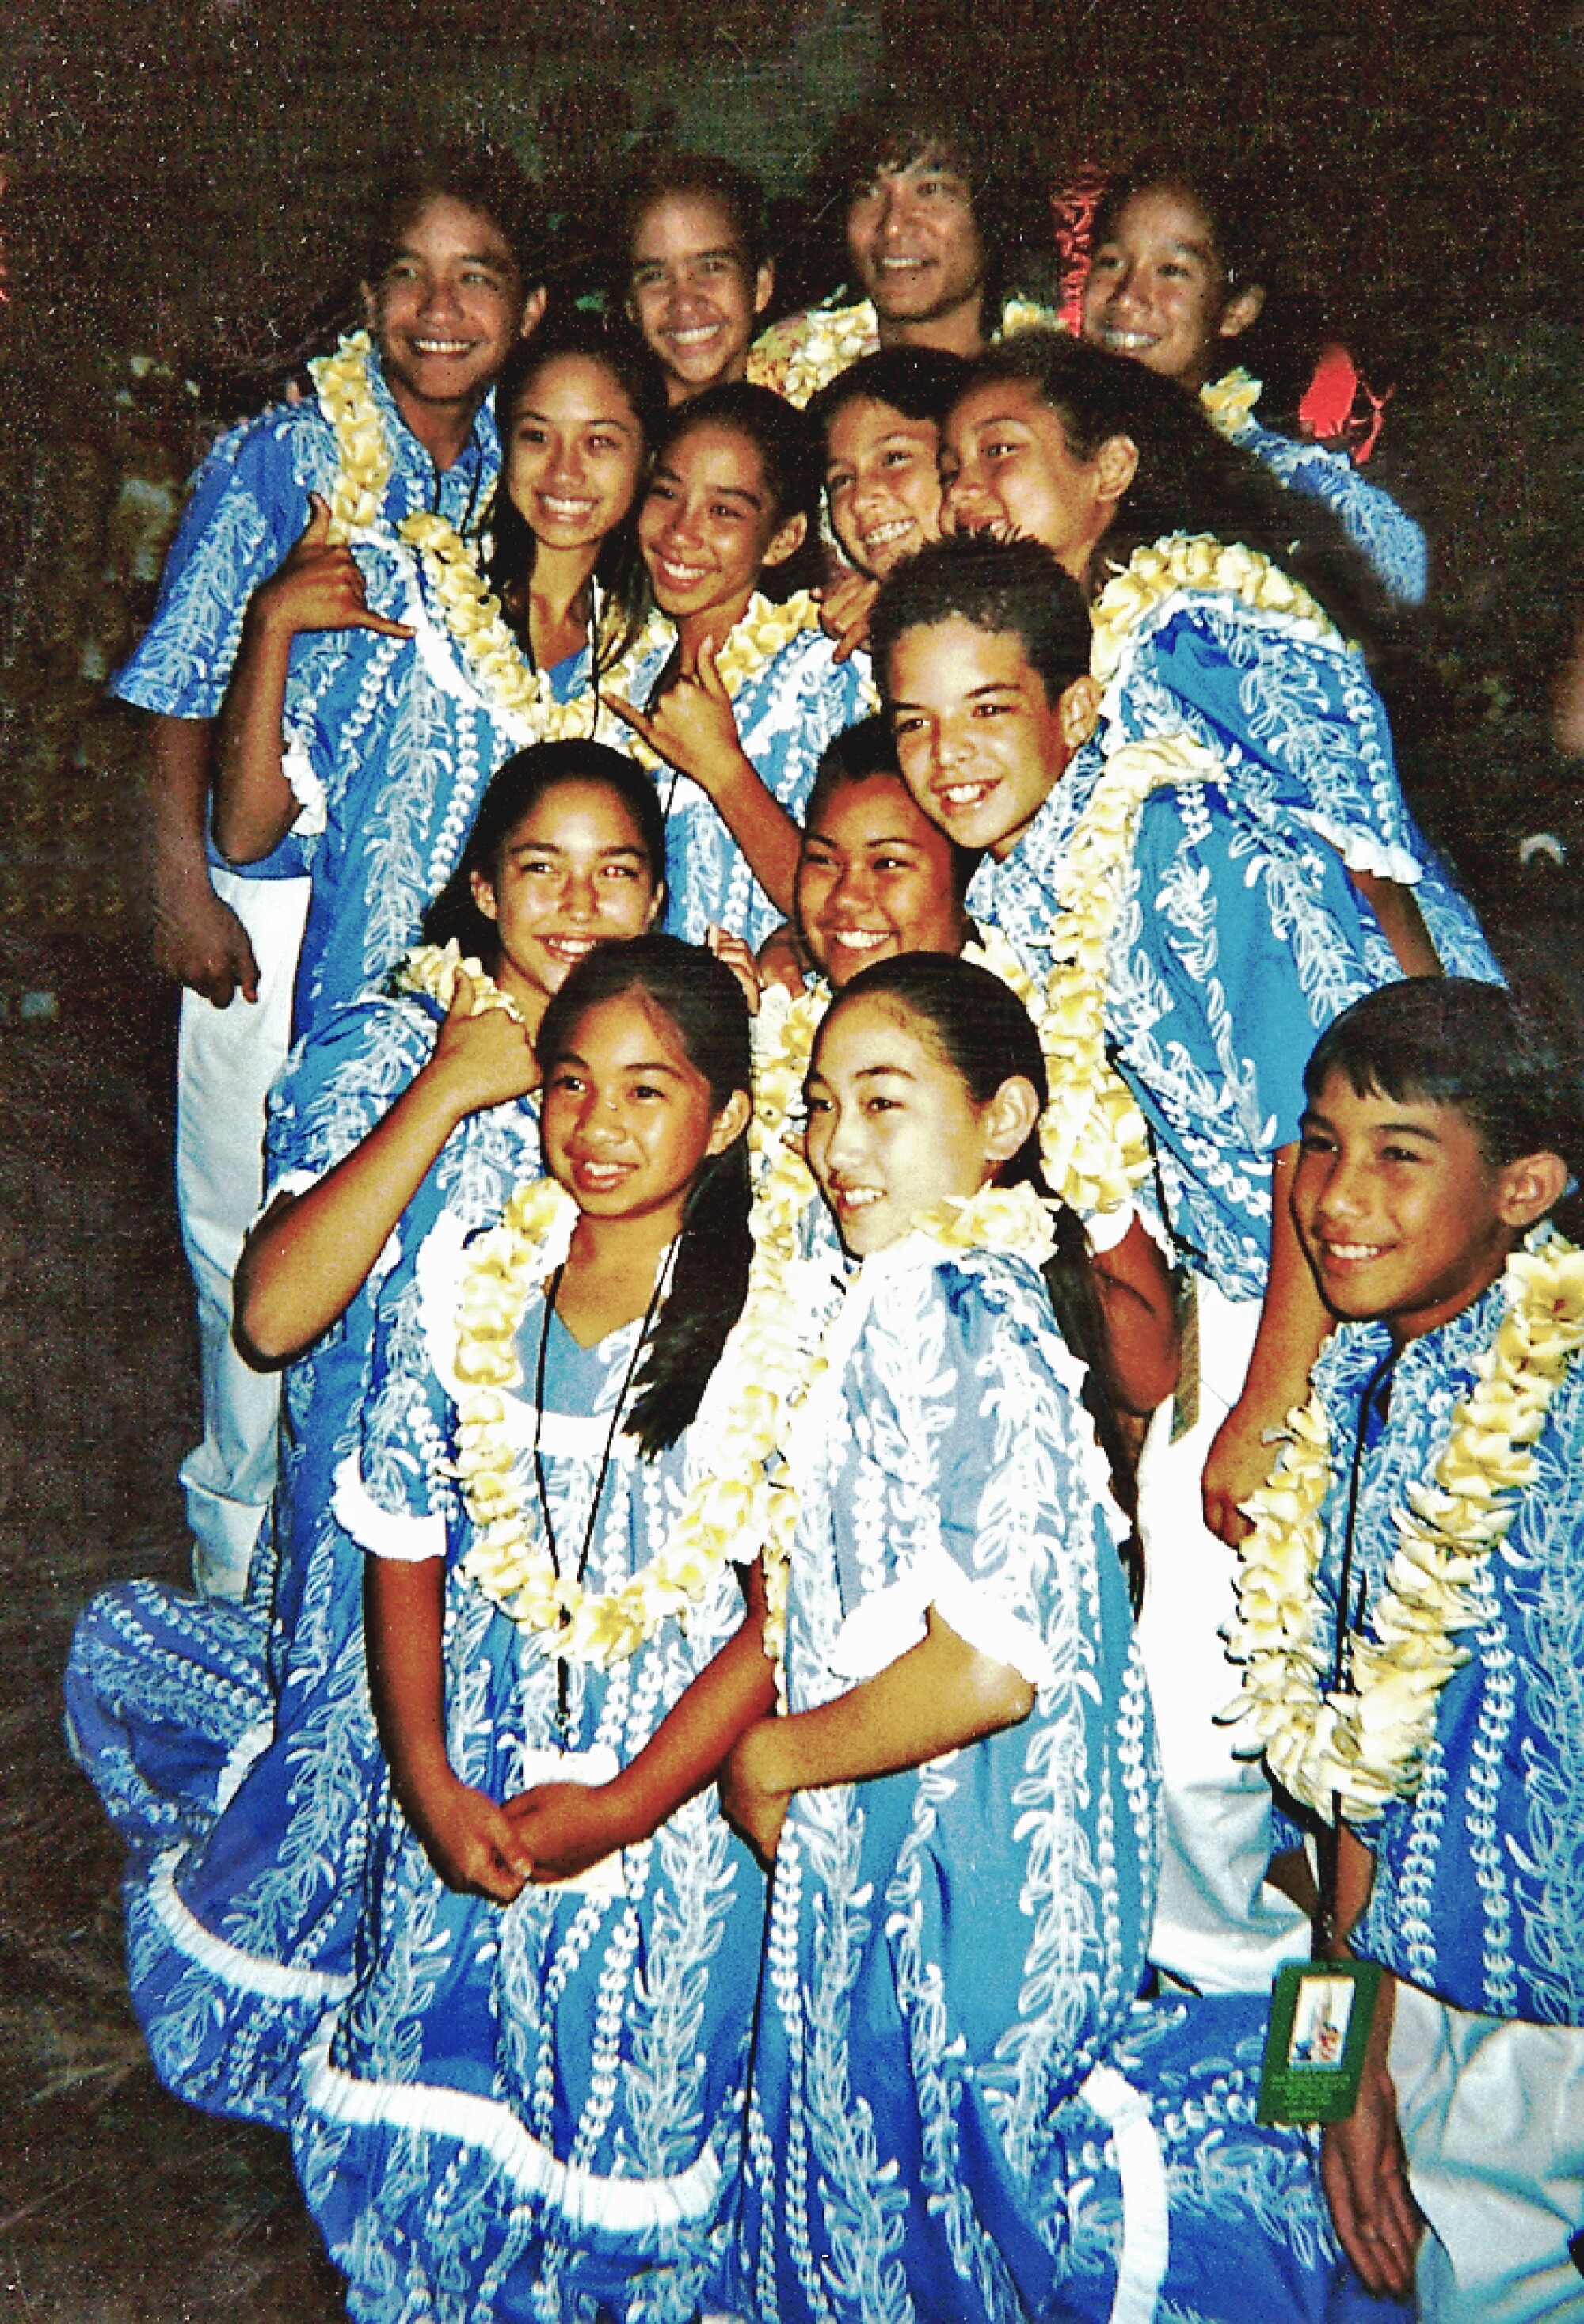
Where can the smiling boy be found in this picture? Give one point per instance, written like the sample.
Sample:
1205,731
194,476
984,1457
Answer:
1443,1124
930,231
1230,952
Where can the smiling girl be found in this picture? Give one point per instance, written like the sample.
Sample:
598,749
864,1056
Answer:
1180,271
752,692
477,666
959,1802
533,2111
695,270
250,1737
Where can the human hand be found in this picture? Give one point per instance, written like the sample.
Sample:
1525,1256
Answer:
746,1797
740,960
567,1827
483,1059
1365,2172
200,941
472,1841
1238,1463
781,961
318,586
845,607
692,727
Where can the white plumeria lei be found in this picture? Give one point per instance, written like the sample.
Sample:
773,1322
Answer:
432,969
472,612
1160,569
805,352
1229,402
363,454
1367,1747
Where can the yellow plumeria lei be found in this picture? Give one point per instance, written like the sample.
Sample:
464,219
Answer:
761,633
1229,402
804,353
1197,561
363,454
472,612
432,969
1368,1746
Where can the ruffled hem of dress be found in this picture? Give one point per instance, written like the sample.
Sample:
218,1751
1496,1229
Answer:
883,1625
603,2211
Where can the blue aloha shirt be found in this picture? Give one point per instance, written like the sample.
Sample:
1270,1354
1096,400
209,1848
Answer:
1386,533
234,1748
1479,1878
1304,736
248,507
1233,951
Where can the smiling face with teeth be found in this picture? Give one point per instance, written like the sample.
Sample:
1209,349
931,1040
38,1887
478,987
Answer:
709,525
979,743
574,452
875,877
446,312
917,250
1157,290
574,873
882,484
1403,1217
693,294
892,1128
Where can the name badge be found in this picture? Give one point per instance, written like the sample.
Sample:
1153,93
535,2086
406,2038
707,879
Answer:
597,1765
1320,2016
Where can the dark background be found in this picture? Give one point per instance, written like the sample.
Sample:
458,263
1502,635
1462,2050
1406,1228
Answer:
181,185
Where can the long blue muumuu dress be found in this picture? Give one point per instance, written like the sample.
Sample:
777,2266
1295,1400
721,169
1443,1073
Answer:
534,2111
958,2112
234,1748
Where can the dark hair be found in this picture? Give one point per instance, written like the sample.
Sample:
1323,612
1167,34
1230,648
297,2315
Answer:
1510,1061
986,1037
866,754
710,1281
704,176
915,118
482,178
515,789
921,383
619,568
1190,479
1015,585
788,454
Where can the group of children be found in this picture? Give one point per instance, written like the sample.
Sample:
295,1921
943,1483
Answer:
811,1417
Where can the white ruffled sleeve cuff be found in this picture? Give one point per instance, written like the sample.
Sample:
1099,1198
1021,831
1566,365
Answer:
1362,850
397,1534
307,790
883,1626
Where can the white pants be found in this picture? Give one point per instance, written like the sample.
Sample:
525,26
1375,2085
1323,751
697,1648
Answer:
1492,2111
226,1059
1219,1927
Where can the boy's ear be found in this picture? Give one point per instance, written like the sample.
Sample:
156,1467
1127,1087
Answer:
763,285
788,540
1244,307
534,307
366,292
1009,1117
1079,712
1116,465
1529,1187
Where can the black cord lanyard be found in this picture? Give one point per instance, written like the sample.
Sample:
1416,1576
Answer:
562,1670
1342,1658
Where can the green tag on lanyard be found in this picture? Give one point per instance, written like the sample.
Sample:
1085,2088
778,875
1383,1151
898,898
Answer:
1320,2016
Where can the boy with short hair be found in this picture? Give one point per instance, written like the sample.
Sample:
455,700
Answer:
1428,1686
1222,950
